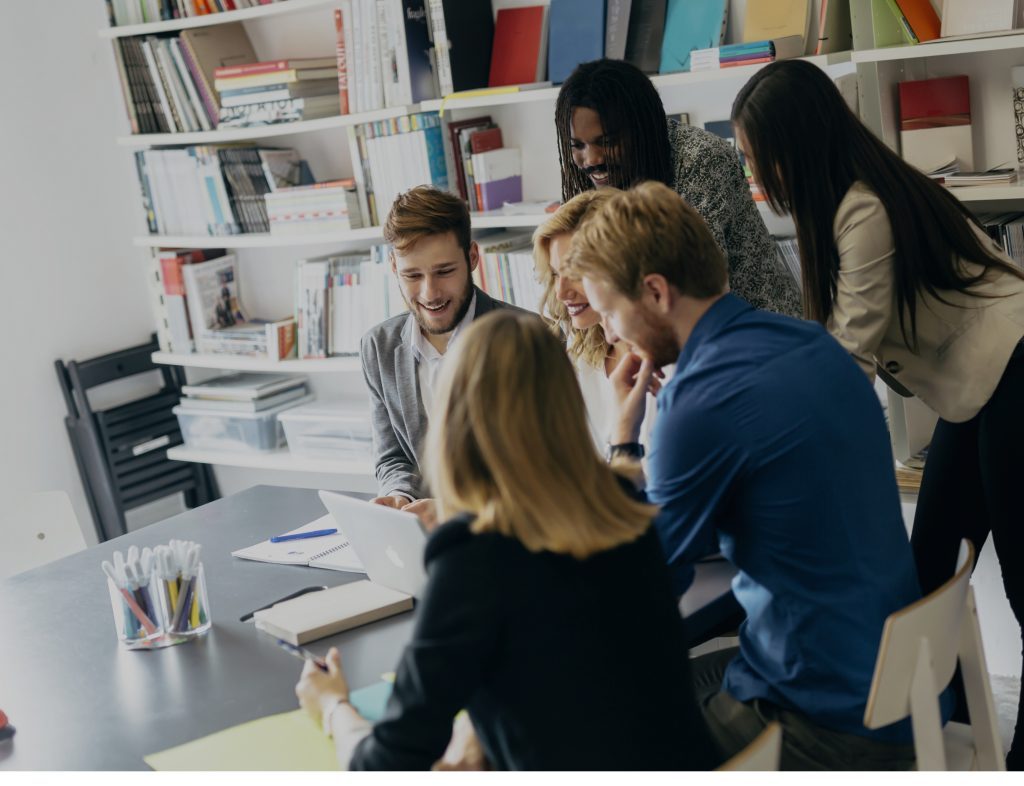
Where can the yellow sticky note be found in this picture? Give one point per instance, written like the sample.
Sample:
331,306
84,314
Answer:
289,741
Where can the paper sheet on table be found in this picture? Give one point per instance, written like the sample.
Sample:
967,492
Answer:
332,552
288,741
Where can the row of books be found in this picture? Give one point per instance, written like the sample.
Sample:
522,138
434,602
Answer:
506,270
137,12
486,173
339,297
394,156
1007,229
196,297
276,91
211,190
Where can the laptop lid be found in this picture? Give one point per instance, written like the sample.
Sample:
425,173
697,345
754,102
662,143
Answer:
389,542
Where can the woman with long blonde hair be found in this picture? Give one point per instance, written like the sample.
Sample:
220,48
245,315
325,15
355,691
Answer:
548,612
565,308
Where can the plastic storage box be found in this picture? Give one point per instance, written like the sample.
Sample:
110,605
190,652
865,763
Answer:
328,430
217,429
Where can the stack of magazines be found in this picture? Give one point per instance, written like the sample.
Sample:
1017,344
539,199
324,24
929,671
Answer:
244,392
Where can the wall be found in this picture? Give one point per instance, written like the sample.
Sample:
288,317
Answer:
72,286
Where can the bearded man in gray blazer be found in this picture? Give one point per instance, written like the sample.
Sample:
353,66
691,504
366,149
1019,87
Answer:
433,257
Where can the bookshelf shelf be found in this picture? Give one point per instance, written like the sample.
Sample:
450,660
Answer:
988,193
662,82
333,365
262,132
274,9
492,220
359,471
1011,39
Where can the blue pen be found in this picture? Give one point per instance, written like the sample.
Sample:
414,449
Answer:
317,533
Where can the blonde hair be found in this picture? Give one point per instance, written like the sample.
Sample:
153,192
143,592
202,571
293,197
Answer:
589,345
425,211
508,443
649,230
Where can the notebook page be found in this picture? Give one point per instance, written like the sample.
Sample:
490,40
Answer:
301,552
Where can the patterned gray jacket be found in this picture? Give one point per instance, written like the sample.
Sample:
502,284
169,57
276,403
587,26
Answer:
709,176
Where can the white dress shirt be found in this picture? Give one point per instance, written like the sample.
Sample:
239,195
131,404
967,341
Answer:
428,359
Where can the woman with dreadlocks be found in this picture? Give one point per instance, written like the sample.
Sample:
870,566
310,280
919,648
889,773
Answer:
612,131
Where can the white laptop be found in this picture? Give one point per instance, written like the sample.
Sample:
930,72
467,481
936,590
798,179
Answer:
389,542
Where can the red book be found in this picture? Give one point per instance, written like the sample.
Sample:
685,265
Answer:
519,55
342,56
931,103
272,66
483,141
922,18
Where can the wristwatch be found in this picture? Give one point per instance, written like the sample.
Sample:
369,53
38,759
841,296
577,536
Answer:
633,450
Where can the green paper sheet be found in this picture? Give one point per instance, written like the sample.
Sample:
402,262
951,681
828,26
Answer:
288,741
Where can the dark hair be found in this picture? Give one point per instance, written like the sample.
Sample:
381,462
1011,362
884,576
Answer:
631,112
809,148
423,211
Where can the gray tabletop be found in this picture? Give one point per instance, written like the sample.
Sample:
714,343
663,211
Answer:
81,702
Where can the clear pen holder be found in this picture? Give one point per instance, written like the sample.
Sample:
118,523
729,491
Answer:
138,614
186,608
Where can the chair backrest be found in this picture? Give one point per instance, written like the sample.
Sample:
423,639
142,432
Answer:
38,528
761,755
917,657
934,619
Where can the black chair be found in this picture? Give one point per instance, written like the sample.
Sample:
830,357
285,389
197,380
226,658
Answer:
121,452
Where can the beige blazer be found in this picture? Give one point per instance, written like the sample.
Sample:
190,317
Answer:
963,346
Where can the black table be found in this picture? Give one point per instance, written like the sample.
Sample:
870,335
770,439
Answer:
81,702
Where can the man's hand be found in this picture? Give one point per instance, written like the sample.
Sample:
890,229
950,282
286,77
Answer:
631,380
426,509
395,501
319,691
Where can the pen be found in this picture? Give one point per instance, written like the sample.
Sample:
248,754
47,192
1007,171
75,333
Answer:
303,591
317,533
302,652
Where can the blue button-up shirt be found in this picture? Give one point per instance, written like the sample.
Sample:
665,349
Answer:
770,444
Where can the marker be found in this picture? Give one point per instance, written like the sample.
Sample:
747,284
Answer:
302,652
317,533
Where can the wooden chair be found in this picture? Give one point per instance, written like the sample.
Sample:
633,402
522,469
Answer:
38,528
917,657
761,755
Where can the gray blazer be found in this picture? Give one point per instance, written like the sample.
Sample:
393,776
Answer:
399,420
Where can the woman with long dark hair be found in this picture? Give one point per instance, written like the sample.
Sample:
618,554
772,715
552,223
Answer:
612,131
904,278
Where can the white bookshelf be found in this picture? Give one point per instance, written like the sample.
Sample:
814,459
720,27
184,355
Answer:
332,365
358,471
491,220
263,132
476,99
262,12
1012,39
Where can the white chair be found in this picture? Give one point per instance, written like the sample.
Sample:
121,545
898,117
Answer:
37,529
761,755
917,657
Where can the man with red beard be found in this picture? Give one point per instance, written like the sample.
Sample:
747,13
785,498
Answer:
433,257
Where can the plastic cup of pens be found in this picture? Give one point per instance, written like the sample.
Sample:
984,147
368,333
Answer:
158,596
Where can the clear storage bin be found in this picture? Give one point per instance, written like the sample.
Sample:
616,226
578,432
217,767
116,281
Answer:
328,430
224,430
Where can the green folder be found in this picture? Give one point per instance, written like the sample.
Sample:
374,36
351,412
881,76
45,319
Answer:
288,741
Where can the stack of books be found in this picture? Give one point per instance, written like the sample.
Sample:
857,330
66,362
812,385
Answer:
991,177
314,209
277,91
243,392
734,55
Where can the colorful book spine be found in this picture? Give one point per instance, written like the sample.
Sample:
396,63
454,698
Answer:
342,53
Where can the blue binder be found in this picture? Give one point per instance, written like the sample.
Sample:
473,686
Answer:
689,25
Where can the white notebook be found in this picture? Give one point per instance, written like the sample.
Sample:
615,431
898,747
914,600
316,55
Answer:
332,552
318,614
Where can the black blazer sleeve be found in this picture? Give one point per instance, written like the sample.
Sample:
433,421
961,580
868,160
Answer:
456,631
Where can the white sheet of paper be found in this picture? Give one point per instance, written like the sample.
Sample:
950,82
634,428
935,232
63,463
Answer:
332,552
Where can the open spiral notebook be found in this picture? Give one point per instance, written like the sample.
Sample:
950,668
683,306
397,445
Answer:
332,552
